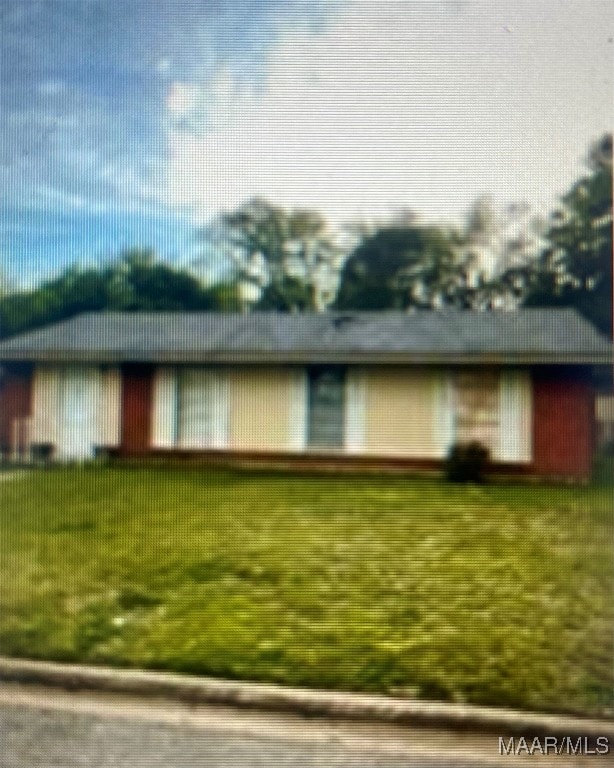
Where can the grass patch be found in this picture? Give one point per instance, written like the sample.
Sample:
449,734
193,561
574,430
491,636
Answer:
498,594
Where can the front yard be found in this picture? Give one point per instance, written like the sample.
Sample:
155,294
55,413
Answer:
499,594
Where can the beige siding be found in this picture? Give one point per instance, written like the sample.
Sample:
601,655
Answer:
46,401
400,412
261,408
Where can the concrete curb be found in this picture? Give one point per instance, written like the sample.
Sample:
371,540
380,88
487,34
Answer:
301,701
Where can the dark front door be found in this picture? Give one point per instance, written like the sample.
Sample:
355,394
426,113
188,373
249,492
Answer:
137,390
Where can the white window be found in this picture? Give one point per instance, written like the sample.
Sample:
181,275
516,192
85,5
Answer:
327,409
76,408
190,408
477,410
491,407
202,420
79,402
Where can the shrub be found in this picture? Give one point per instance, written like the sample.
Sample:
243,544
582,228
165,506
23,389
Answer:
42,453
608,448
467,462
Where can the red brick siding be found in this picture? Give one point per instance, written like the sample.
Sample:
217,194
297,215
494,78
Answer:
563,428
15,402
137,400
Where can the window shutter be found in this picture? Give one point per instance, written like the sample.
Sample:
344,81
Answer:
163,432
95,397
443,411
110,409
297,427
516,416
355,410
221,412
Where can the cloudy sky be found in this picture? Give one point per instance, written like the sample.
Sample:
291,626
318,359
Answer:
127,122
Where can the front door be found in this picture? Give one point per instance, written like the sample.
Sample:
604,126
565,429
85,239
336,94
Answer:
137,399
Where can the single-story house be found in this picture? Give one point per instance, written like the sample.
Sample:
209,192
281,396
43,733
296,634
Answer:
388,388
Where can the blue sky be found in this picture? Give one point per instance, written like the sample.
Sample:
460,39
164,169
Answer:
84,86
130,123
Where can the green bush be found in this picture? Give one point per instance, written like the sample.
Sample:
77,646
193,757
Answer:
42,452
608,448
467,462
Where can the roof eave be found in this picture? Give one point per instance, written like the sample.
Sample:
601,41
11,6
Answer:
312,357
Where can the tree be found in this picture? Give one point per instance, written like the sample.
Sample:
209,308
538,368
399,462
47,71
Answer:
575,269
136,281
498,249
401,267
139,281
282,260
5,283
479,266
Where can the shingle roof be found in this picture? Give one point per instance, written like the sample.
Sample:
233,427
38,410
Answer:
531,335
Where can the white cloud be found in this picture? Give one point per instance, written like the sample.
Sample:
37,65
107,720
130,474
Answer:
52,87
406,104
182,99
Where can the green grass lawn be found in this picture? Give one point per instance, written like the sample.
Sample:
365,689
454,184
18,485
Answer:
499,594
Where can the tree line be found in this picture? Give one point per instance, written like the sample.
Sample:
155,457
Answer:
291,261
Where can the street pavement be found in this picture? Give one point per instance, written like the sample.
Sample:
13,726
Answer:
51,728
